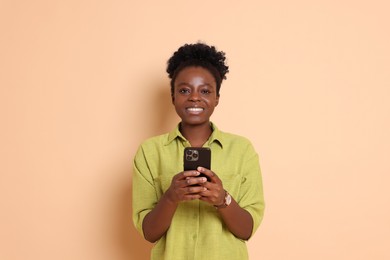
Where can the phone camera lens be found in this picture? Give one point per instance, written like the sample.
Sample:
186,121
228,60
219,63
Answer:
189,158
189,152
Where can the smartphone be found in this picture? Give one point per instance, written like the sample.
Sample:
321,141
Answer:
195,157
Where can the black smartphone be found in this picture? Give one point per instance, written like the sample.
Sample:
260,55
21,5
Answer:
195,157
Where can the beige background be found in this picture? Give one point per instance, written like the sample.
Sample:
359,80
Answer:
84,82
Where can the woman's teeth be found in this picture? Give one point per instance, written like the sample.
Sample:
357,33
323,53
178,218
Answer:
195,109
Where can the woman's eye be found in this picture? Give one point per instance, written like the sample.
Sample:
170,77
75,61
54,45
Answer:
184,91
206,91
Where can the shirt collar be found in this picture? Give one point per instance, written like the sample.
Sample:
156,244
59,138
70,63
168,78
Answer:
216,136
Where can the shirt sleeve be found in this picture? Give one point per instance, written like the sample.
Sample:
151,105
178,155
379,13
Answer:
144,192
251,193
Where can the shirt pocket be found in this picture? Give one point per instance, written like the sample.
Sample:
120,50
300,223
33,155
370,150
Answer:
162,184
232,184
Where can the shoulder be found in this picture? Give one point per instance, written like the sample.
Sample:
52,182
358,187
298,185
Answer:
236,140
155,140
234,143
228,137
152,143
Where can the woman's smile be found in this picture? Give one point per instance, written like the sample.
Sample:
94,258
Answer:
195,95
195,110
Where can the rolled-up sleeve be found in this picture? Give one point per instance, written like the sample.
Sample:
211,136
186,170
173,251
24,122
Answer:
144,193
251,193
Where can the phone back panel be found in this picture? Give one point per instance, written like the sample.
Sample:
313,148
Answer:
197,156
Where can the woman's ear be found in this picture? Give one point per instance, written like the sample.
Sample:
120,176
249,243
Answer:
217,100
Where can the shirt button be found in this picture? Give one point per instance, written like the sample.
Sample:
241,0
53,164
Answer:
194,237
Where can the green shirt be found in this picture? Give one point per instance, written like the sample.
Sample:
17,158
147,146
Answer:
197,231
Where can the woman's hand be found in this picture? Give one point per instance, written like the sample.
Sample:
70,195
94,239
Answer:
237,220
157,222
214,193
186,186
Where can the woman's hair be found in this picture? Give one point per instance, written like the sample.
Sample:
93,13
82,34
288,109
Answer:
198,54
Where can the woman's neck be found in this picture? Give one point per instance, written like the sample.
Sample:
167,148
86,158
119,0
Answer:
197,135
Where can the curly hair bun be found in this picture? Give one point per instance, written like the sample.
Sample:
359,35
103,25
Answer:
198,54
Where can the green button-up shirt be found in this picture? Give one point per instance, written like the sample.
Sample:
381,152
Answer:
197,231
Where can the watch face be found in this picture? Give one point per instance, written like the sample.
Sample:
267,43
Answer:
228,199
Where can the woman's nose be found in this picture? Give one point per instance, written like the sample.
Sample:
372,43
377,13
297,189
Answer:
194,96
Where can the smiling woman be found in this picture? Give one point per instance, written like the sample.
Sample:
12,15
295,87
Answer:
202,213
195,98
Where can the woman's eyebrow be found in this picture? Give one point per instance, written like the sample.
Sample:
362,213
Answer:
190,85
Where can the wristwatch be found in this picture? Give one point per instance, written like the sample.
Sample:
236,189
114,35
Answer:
226,202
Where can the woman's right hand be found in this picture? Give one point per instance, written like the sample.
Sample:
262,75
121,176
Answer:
185,186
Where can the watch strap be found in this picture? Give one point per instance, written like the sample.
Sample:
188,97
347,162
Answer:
226,202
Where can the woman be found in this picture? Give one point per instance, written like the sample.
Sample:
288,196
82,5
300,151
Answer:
188,216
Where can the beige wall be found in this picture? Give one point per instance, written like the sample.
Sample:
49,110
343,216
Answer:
83,83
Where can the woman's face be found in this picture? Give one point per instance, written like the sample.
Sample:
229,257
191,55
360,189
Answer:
195,95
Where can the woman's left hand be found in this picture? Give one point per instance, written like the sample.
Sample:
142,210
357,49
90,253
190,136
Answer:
215,194
238,220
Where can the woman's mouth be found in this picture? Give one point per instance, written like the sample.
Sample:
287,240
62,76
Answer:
195,109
